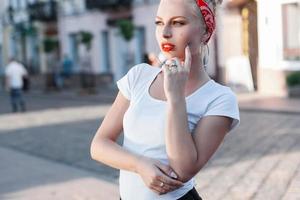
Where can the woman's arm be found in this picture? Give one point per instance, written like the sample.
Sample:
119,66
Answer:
105,149
189,153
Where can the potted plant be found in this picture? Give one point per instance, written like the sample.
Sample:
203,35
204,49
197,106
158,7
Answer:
86,38
293,83
126,28
87,76
51,46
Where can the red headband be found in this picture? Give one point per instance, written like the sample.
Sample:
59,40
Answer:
208,16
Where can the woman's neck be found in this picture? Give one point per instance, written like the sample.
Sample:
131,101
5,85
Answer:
197,72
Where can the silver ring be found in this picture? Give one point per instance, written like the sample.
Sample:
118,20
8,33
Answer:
173,68
161,184
174,65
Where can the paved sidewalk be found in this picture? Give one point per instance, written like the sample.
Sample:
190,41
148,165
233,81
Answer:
25,177
247,101
258,102
44,153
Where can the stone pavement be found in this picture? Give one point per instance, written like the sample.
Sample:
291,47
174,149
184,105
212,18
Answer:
28,177
44,153
258,102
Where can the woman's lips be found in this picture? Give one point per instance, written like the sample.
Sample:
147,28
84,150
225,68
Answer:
167,47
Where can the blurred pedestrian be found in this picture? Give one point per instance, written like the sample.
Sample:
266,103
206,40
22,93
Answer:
173,117
67,65
87,76
14,74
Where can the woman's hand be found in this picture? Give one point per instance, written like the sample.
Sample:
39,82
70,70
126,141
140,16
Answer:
176,74
160,178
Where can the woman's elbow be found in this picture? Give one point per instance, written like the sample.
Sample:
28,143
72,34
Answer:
95,151
184,177
188,173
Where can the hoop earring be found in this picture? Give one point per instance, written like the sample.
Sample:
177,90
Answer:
205,55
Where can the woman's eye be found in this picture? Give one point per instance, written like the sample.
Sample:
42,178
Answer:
178,23
158,22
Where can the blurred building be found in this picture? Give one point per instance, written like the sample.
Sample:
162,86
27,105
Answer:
111,53
279,44
256,42
26,27
268,34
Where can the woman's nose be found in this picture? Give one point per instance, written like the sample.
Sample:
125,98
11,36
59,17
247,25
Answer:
167,32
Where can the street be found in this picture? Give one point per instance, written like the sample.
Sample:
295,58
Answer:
44,153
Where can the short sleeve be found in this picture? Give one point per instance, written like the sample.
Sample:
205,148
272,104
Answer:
6,71
127,82
225,105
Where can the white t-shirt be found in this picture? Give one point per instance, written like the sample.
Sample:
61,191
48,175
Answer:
15,72
145,119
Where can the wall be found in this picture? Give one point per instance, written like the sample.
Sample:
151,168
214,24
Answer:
272,66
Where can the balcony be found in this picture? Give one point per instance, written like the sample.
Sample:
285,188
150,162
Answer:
43,11
108,4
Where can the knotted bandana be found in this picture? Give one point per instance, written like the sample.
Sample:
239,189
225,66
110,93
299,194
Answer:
208,16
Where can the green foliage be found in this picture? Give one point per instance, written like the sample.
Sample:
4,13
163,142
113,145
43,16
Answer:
25,30
31,31
50,45
86,38
293,79
126,28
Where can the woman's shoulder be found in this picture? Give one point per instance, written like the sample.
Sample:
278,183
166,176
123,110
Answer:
218,91
144,68
143,71
221,89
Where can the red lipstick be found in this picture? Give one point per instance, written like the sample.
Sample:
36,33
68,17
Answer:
167,47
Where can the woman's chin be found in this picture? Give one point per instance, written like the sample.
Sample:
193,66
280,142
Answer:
171,54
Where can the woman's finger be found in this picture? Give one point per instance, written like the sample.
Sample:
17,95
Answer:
180,67
169,181
166,169
165,188
157,190
188,58
165,69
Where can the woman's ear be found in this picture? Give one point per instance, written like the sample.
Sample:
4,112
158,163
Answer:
205,37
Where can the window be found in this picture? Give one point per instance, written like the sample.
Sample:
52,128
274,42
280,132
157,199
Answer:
291,31
73,7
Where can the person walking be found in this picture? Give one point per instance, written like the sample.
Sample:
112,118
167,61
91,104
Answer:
14,74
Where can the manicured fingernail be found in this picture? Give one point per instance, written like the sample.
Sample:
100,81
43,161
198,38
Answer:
173,175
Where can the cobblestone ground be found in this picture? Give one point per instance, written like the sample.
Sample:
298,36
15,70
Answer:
259,160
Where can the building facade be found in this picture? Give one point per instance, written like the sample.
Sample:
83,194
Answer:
111,53
279,44
26,24
255,42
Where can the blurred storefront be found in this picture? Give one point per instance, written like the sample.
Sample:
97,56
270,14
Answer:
111,52
107,46
26,25
279,44
257,43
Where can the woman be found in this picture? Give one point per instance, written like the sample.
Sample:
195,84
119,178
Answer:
174,117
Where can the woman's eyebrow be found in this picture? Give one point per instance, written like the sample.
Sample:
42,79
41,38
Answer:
172,17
